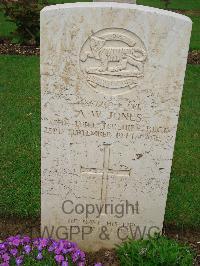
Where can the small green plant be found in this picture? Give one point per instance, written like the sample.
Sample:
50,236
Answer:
26,15
155,251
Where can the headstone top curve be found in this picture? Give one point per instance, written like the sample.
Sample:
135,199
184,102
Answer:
152,10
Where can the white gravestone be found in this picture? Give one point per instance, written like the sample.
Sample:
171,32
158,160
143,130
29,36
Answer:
111,80
119,1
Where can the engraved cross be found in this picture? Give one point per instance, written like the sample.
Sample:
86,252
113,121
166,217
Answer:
105,172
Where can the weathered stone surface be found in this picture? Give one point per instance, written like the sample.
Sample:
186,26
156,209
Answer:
111,81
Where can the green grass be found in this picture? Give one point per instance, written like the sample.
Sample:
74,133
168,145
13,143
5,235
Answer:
184,196
20,144
175,4
195,37
19,135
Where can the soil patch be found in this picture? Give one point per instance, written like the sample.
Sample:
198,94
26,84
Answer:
6,47
187,236
194,57
186,12
14,226
105,257
31,227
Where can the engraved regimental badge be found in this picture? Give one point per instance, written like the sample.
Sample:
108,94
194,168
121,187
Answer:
113,60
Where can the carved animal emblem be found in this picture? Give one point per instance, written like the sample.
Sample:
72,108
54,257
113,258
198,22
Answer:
120,55
113,60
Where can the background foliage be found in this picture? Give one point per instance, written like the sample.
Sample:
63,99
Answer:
26,16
